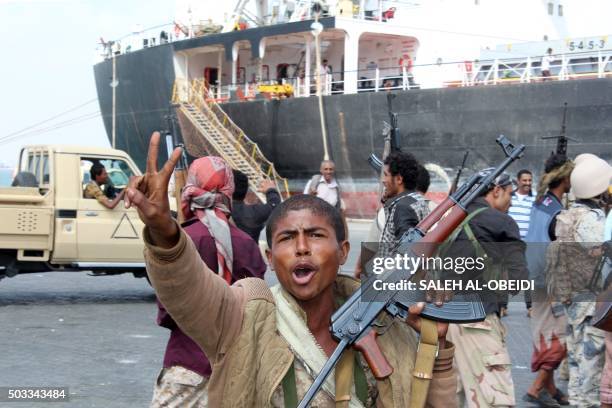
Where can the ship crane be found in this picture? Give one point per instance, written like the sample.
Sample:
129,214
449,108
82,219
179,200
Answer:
241,11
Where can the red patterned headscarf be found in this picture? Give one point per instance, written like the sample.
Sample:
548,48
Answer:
208,195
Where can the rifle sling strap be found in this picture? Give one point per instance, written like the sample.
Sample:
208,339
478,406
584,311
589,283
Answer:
290,388
423,366
348,368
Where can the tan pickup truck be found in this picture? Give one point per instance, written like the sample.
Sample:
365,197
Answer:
47,224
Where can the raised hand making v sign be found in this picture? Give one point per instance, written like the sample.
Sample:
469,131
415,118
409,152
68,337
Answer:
149,194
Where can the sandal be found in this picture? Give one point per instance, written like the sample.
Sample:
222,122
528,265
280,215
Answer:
561,398
544,399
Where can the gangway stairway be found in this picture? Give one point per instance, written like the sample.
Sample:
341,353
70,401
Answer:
218,135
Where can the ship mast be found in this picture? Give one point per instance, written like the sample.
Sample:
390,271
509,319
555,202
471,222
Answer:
113,85
317,29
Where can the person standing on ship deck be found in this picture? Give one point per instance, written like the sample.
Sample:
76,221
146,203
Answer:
545,66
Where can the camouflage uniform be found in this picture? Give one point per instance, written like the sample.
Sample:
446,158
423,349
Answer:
578,230
483,362
178,387
585,346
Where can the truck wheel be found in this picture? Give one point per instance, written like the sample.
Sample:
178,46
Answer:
142,275
11,270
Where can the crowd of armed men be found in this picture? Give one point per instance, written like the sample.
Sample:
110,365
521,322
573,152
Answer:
236,342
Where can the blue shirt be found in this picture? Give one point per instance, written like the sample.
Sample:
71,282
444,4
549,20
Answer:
520,211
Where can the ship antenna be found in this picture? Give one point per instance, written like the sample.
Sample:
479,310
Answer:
562,138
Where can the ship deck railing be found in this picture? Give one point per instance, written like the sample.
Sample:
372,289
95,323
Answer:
468,73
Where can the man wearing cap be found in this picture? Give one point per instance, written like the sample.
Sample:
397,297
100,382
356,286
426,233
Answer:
481,356
573,257
548,321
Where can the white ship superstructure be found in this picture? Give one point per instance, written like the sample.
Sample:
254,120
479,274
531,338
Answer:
373,44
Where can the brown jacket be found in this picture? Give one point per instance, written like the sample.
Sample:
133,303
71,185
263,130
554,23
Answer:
236,327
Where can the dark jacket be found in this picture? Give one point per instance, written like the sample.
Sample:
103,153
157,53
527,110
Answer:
542,223
499,236
252,218
248,263
401,214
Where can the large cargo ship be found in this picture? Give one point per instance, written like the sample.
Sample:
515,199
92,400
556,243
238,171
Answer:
452,94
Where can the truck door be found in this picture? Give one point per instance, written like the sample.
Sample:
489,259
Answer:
105,235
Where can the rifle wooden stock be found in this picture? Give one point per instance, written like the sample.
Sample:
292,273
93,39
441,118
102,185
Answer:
445,226
435,216
374,356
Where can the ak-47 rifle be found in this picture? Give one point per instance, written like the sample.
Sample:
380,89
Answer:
456,182
392,143
392,136
562,137
351,325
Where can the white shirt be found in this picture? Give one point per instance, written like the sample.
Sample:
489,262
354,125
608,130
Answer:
325,191
546,60
520,211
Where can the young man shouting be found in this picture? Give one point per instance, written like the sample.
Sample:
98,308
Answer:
267,344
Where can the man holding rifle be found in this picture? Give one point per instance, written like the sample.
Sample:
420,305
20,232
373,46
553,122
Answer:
404,206
482,358
265,344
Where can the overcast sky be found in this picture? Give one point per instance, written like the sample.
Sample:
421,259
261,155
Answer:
48,55
47,66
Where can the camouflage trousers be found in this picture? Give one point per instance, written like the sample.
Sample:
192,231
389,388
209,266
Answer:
179,387
585,356
606,377
482,363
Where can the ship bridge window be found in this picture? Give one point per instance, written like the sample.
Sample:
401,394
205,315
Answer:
560,10
551,8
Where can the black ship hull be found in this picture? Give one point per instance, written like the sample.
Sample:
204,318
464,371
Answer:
437,125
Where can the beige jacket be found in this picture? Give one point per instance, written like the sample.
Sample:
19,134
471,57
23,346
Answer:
236,327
